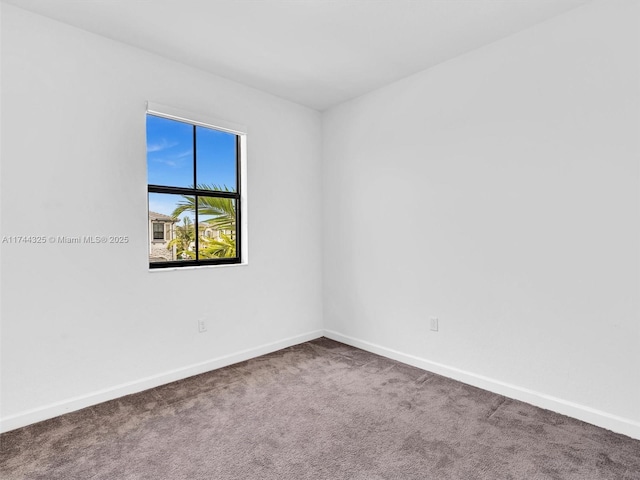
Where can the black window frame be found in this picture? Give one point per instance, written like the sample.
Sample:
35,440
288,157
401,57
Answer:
197,192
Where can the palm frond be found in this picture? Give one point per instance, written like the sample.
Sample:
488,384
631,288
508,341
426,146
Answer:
221,210
224,247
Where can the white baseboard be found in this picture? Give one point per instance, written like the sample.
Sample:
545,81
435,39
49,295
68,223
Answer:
72,404
590,415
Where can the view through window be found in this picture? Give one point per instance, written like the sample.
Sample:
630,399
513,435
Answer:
194,194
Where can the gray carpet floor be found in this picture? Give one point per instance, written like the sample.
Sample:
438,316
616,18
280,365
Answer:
319,410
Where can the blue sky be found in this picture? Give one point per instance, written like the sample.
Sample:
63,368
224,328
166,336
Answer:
170,159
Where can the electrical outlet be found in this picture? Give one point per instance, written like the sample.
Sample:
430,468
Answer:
434,324
202,326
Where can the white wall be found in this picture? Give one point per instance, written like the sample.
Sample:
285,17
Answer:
499,192
84,323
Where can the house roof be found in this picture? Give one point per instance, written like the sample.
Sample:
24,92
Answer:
162,217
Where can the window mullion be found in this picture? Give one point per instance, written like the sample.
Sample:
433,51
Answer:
173,190
195,195
238,206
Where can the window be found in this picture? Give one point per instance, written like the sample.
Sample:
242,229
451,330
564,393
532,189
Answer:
193,172
158,231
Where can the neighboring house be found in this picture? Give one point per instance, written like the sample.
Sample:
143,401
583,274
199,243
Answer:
162,229
161,232
213,233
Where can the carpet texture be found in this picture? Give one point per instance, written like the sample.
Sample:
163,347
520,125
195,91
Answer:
319,410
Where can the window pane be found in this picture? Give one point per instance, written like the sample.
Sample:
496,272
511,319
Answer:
216,159
169,152
178,241
158,231
217,226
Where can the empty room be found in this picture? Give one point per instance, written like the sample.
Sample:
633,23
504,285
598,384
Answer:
320,239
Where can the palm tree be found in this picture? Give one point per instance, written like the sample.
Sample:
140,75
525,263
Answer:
185,235
225,246
221,213
223,210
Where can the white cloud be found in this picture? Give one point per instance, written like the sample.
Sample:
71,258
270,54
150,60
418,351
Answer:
162,145
169,163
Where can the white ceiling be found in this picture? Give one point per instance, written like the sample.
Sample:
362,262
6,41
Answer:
314,52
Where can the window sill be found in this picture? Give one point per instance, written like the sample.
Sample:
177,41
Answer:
197,267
